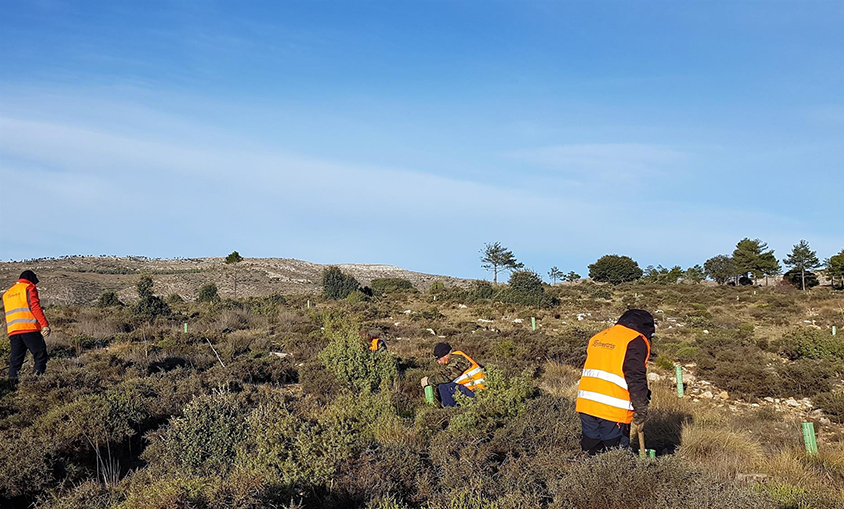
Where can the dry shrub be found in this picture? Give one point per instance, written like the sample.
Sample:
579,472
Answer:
619,480
560,379
721,450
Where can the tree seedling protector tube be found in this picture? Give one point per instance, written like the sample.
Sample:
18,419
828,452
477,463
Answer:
533,322
809,438
678,372
429,394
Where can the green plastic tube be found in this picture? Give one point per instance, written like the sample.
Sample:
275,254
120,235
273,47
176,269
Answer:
186,327
809,438
429,394
533,322
651,453
678,373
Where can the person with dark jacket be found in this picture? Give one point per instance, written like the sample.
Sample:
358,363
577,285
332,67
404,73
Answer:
26,324
613,389
458,372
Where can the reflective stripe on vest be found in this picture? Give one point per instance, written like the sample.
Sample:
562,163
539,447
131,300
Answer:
602,391
607,400
473,378
19,317
606,375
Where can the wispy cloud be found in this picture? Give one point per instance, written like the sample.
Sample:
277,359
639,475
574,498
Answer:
620,162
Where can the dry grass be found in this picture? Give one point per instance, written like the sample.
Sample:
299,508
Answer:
560,380
722,451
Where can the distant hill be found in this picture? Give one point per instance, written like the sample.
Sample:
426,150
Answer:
82,279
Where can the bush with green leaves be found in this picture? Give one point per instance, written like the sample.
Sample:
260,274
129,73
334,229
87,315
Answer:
206,438
614,269
207,293
525,287
385,285
149,306
108,299
436,288
351,362
337,285
810,343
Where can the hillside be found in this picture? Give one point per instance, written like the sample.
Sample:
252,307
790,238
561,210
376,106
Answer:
81,279
270,402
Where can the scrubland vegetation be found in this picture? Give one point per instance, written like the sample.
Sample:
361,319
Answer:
265,402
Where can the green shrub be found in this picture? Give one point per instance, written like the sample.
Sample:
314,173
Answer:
108,299
337,285
207,293
809,343
436,287
664,362
206,437
481,290
382,286
356,297
351,362
614,269
149,306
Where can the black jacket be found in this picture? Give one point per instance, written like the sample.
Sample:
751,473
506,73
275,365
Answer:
635,359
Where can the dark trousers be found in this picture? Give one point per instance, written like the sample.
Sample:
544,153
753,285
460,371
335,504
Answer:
447,393
20,343
601,434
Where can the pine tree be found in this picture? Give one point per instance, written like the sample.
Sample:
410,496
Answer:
802,258
498,258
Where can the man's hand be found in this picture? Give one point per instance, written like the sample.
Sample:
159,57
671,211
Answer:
45,331
640,416
424,381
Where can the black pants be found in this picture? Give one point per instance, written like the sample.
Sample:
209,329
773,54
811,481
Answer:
601,434
20,343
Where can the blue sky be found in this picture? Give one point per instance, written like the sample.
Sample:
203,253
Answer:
411,133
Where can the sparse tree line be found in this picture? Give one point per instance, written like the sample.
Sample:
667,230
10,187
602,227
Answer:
750,261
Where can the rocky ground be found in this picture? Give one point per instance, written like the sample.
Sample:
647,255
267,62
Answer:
82,279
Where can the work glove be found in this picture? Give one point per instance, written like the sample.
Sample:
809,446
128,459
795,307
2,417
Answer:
424,381
640,416
45,331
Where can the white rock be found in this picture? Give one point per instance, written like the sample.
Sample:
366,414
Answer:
407,311
705,331
431,331
462,306
483,320
396,324
824,421
791,402
518,320
280,354
654,377
707,395
581,316
768,399
688,377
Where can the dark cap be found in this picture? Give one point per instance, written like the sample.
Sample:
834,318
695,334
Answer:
29,276
441,350
639,320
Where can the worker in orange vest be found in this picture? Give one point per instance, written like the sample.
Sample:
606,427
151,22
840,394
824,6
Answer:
613,389
458,372
26,324
374,341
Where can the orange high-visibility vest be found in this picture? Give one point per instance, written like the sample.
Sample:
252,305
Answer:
19,317
374,344
473,378
602,391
